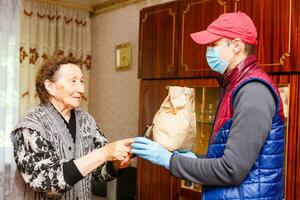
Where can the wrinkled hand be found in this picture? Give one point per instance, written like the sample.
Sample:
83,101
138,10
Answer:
151,151
186,154
118,150
120,164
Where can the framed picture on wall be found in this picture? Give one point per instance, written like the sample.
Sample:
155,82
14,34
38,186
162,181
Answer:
123,56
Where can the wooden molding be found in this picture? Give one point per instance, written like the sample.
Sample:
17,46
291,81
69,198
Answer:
95,9
112,5
66,4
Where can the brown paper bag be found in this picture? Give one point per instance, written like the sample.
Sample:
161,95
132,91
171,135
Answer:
175,122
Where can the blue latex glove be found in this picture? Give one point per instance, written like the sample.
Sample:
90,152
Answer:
186,154
151,151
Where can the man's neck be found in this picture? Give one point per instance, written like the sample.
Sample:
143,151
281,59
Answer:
235,62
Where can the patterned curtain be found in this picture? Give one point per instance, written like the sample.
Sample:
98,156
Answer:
48,30
9,89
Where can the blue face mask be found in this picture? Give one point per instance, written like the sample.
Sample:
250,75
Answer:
215,62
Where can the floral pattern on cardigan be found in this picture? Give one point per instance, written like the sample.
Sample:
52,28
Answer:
40,164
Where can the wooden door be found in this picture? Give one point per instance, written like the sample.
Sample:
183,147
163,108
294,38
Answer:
194,16
158,41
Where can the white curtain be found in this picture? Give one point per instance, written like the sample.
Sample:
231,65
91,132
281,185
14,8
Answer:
48,29
9,89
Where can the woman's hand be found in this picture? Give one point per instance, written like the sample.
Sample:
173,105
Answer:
121,164
118,150
126,162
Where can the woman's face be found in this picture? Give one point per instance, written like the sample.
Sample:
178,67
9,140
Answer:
68,87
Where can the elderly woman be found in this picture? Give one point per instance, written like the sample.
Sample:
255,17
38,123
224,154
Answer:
58,147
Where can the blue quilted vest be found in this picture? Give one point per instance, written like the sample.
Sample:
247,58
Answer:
266,178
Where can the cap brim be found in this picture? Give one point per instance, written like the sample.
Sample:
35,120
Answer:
205,37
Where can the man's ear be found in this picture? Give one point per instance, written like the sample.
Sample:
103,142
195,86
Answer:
238,46
50,87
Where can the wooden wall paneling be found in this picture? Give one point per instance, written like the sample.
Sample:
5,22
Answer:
186,194
195,15
153,182
158,41
292,140
273,20
166,49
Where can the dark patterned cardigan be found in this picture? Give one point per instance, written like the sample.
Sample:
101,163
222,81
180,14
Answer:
42,144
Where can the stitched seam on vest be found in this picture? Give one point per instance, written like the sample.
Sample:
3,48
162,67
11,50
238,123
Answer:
265,169
254,182
274,154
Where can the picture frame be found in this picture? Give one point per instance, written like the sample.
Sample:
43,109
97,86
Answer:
123,56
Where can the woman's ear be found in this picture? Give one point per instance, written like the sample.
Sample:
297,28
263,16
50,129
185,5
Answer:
50,87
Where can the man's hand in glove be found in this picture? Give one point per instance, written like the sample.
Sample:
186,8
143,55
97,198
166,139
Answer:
151,151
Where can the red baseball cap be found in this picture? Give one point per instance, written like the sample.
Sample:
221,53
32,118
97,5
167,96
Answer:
228,25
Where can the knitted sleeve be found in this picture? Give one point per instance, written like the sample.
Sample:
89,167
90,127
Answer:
38,162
